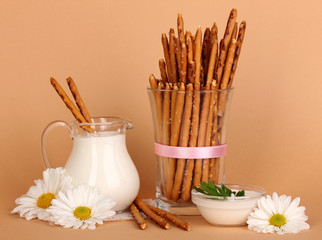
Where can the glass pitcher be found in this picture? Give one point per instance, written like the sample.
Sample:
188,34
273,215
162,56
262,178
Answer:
100,159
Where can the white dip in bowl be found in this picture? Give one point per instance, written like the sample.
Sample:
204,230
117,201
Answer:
228,211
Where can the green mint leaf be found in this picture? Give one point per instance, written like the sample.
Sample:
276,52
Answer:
241,193
211,189
200,190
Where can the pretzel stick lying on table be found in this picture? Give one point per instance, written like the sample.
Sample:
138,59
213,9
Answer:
70,105
153,216
174,219
140,221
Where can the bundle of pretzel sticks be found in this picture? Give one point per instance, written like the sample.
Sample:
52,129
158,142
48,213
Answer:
157,215
191,101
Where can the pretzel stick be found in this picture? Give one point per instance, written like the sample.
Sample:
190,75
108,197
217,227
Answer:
140,221
212,61
191,72
214,141
180,29
205,51
70,105
153,216
206,105
225,44
165,134
163,72
172,50
78,99
165,45
202,135
158,104
174,139
235,30
202,79
174,219
178,54
205,162
183,63
240,39
228,65
184,139
186,188
173,104
195,125
197,55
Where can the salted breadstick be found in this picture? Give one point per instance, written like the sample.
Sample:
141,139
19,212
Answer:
180,29
173,104
190,49
240,39
158,103
187,180
165,134
153,216
174,139
174,219
225,44
184,140
205,51
78,99
228,65
197,55
183,63
166,53
212,62
70,105
140,221
172,52
202,134
205,162
163,72
178,54
191,72
235,30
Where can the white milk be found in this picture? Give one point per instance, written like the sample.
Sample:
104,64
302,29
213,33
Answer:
231,212
103,161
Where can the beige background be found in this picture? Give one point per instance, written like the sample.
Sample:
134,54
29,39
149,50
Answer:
110,48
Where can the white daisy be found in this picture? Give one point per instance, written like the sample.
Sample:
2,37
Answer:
34,203
278,215
81,207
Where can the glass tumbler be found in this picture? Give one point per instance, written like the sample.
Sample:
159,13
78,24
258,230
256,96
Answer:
190,143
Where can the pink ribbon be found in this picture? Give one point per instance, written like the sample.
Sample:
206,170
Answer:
190,152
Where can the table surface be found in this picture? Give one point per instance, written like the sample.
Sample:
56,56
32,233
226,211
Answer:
14,227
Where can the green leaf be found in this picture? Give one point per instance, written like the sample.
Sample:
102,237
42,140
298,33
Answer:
200,190
211,189
241,193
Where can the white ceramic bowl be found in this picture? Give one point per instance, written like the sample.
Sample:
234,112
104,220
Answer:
228,211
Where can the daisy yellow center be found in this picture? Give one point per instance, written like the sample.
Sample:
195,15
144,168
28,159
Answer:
44,201
82,213
277,220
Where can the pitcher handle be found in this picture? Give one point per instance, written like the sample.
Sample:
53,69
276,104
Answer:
44,138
